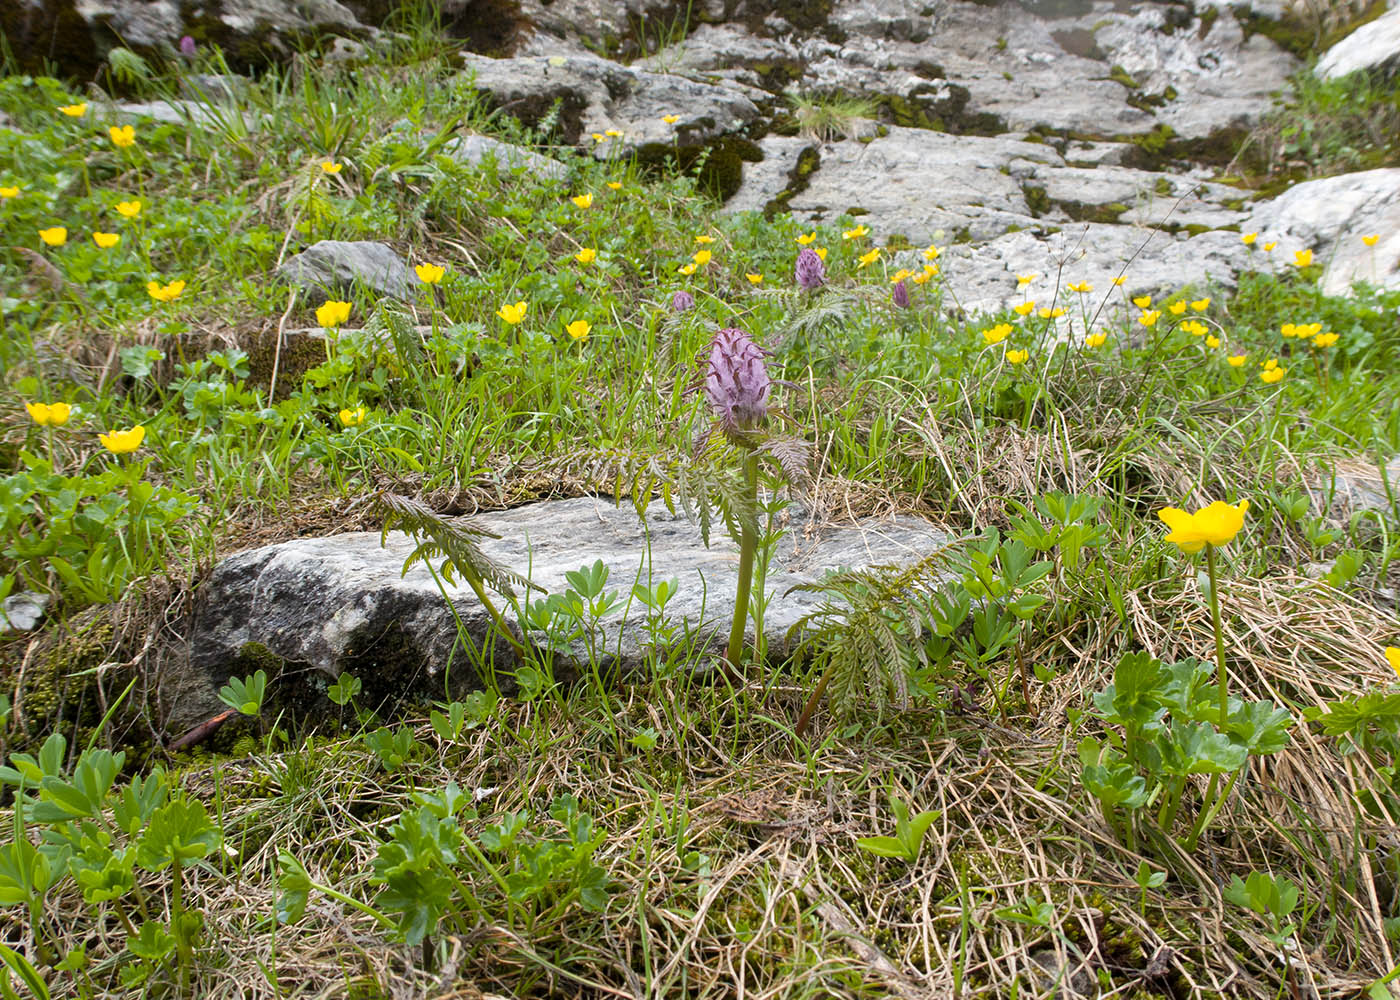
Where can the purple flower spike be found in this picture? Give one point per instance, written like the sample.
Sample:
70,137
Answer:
901,295
187,47
811,272
682,302
737,384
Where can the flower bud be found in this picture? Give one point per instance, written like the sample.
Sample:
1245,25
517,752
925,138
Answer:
901,295
737,383
682,302
810,272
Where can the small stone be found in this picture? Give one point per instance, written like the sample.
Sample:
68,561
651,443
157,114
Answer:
333,268
22,612
477,149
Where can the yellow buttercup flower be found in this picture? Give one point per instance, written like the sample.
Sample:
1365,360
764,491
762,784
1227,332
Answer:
512,314
1288,331
686,269
1392,656
996,334
54,236
583,200
106,240
670,119
6,193
578,329
1268,247
931,252
331,167
129,209
928,272
331,314
820,252
1022,280
1095,339
754,279
1177,308
74,110
1016,357
1201,305
1272,375
49,414
614,185
1024,309
1119,281
1270,364
1237,360
1325,340
122,136
1150,317
598,137
1212,341
613,133
1195,328
352,418
1083,288
856,233
165,293
1302,258
900,275
869,258
1142,301
807,238
1248,239
1048,313
586,256
702,239
429,274
1215,525
123,442
702,257
1370,241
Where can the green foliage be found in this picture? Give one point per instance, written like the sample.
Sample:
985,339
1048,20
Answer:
245,694
908,839
827,118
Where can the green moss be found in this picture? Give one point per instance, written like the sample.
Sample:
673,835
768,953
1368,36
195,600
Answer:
1036,200
1119,75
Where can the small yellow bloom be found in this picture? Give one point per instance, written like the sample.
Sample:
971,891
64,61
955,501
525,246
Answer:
820,252
1270,364
598,137
583,200
1302,258
129,209
122,136
1095,339
1048,313
1212,341
922,277
331,167
702,239
55,236
1022,280
1201,305
1024,309
615,185
1248,239
687,269
931,252
1119,281
106,240
1195,328
1288,331
1237,360
870,258
1310,330
49,414
1177,308
996,334
1215,525
754,279
1142,301
7,193
856,233
352,418
165,293
429,274
123,442
900,275
578,329
807,238
1392,656
1325,340
1370,241
1272,375
586,256
1268,247
702,257
1016,357
74,110
512,314
331,314
1150,317
670,119
613,133
1082,288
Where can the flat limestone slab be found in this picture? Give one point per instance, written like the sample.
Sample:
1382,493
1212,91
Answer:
324,605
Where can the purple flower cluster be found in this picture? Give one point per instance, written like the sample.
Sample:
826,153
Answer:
810,272
682,302
737,384
187,47
901,295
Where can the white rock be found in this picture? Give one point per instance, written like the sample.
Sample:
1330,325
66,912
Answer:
1373,46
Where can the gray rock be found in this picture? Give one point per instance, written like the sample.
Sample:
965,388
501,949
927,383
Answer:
22,612
333,267
476,149
770,179
341,603
1357,486
1373,47
1329,216
1144,197
597,95
180,111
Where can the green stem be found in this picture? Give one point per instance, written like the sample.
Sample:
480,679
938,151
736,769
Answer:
748,546
1219,637
177,923
1208,813
351,901
812,704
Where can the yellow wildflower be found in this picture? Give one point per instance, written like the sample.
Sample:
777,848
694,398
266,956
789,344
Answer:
1325,340
578,329
1392,656
687,269
331,167
996,334
1216,525
613,133
870,258
1212,341
106,240
1142,301
1302,258
129,209
856,233
807,238
7,193
1024,309
352,418
583,200
615,185
49,414
1119,281
1022,280
931,252
123,442
1272,375
331,314
54,236
900,275
1195,328
122,136
512,314
1095,339
165,293
670,119
1082,288
1237,360
1048,313
1370,241
820,252
429,274
1201,305
1150,317
1177,308
586,256
1016,357
1268,247
754,279
702,257
1248,239
74,110
704,239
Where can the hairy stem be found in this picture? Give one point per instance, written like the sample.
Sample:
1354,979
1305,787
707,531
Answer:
1219,637
748,547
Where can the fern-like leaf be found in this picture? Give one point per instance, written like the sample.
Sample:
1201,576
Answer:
453,540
